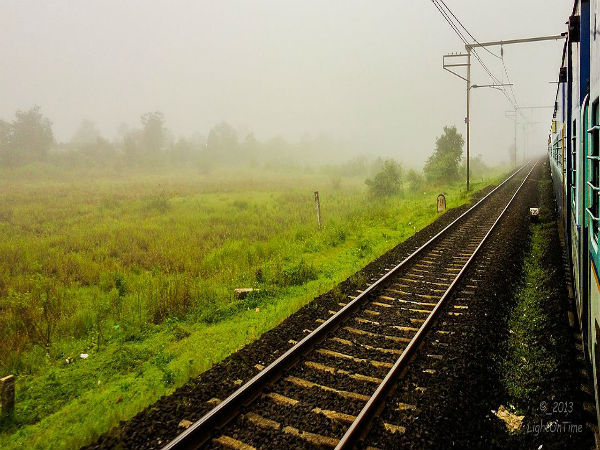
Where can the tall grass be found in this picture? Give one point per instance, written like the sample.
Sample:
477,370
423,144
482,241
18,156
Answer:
129,268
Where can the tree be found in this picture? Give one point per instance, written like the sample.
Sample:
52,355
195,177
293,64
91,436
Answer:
153,132
250,148
5,150
131,145
87,133
414,180
388,181
29,136
478,167
443,164
222,142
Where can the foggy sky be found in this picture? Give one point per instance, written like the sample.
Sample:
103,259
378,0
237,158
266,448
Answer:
368,72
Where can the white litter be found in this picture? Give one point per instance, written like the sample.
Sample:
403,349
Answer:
84,356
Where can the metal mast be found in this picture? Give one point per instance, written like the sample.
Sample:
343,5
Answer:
469,48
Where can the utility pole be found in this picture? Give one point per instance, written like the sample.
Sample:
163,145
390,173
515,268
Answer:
468,118
469,48
515,149
514,116
450,68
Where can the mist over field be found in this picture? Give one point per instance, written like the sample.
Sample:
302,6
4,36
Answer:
179,177
364,76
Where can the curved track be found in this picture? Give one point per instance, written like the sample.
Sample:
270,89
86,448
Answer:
325,390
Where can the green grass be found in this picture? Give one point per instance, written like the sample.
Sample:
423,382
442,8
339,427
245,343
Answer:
138,271
535,347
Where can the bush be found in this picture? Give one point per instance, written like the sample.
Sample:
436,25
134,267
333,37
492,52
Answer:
388,181
297,274
415,180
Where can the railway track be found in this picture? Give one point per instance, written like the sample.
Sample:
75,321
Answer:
326,389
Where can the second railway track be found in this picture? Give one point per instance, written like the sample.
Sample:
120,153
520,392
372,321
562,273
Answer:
324,391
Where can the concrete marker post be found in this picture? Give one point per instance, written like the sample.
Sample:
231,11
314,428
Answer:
441,203
7,395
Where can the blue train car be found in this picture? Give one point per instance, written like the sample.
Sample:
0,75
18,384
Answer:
574,153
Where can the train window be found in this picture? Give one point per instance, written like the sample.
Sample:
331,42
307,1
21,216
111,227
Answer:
594,181
573,163
560,150
561,154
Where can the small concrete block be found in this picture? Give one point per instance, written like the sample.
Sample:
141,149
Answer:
7,394
242,293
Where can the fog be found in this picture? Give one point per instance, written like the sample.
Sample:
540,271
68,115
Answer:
366,73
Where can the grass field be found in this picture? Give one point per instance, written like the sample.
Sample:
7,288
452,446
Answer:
138,270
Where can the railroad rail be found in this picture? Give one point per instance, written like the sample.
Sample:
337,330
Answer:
378,331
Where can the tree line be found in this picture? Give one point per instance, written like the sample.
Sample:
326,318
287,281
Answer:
29,137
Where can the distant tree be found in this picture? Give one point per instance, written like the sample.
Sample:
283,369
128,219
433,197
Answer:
388,181
443,164
222,141
100,151
184,150
154,134
415,180
5,150
250,148
123,130
28,137
477,166
355,166
132,145
87,133
279,153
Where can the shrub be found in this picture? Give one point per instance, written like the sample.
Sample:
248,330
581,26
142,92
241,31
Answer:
388,181
297,274
415,180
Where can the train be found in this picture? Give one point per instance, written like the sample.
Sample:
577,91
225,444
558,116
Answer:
574,155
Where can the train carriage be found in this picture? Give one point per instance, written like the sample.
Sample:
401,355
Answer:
574,153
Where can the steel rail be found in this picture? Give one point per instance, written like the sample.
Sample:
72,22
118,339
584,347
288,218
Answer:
201,430
356,431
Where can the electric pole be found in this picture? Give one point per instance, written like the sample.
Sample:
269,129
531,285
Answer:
514,116
469,48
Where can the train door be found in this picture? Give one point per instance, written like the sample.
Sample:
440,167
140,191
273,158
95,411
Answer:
584,307
572,189
593,213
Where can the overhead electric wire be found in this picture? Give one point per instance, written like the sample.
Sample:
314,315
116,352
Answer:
510,86
465,28
474,52
452,25
464,39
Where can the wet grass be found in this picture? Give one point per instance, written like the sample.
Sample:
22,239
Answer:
138,271
537,348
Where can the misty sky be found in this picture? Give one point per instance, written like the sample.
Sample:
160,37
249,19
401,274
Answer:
368,72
